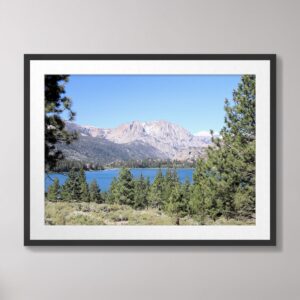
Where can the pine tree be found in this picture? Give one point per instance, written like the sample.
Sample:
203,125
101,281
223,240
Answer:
125,187
140,193
156,191
113,195
55,104
84,188
147,187
71,190
175,205
227,178
54,191
95,192
204,197
167,185
196,203
186,194
238,148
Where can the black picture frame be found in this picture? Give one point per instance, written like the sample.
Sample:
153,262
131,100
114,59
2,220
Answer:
31,57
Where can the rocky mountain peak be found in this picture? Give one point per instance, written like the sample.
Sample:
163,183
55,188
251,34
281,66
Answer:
173,141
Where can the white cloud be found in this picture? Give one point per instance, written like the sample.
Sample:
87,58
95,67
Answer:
205,133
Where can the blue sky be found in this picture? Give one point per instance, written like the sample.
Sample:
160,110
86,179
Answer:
195,102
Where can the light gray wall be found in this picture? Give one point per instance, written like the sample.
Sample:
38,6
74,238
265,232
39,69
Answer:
150,26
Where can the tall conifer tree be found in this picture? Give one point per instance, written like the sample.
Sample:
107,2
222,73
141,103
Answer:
54,191
84,188
55,104
113,192
71,190
95,192
156,191
227,178
140,193
175,205
125,192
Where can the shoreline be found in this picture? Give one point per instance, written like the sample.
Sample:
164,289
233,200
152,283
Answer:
162,168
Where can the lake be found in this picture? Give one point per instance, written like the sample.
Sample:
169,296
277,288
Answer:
105,177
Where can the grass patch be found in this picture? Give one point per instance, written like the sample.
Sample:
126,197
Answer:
74,213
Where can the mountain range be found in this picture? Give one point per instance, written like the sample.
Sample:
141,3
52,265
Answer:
134,141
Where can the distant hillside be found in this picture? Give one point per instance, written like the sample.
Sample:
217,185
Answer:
100,150
134,141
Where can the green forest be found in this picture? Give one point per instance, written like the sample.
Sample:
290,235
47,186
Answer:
222,191
65,165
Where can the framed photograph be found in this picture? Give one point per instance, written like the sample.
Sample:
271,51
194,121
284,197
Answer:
150,149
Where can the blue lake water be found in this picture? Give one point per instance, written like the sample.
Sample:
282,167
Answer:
105,177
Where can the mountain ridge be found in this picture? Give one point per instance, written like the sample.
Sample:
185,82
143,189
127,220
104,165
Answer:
158,139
